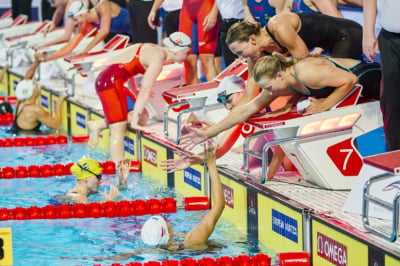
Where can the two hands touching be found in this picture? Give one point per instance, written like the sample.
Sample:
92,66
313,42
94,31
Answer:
123,170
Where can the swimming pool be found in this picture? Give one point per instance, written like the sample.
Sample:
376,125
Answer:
80,241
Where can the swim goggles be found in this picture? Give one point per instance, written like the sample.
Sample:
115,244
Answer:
179,44
223,98
98,176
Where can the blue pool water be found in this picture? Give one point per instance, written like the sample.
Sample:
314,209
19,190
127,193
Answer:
80,241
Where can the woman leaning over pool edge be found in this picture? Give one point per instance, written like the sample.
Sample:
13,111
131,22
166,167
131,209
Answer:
107,16
141,58
281,76
332,81
296,34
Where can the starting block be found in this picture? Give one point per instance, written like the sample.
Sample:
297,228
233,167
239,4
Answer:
19,29
16,46
389,164
6,19
85,64
198,97
59,68
320,145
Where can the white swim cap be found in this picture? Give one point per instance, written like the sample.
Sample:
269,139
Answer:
77,8
177,41
24,89
231,84
228,86
155,231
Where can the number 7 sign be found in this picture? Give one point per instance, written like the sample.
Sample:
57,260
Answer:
346,157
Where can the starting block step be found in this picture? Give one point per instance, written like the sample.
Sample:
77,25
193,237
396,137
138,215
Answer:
389,161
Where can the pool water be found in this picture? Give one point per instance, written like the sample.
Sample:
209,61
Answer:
39,191
82,241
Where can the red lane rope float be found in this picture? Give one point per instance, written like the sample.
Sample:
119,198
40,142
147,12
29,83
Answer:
293,259
48,170
33,141
91,210
289,258
9,99
80,138
6,119
196,203
241,260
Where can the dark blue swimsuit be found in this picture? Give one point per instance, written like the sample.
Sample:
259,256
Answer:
262,11
119,24
298,6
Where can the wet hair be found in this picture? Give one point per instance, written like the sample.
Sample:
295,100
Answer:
268,66
241,31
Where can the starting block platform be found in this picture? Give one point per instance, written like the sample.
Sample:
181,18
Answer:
8,22
84,64
389,163
321,146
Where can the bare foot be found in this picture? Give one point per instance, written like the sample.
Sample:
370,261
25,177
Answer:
94,127
141,128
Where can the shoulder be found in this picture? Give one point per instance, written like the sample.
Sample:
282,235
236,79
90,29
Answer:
152,52
283,20
36,109
283,17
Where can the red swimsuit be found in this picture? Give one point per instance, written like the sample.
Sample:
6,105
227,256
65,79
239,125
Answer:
195,11
111,90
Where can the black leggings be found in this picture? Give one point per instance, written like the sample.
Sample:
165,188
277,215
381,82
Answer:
349,45
389,45
369,76
141,31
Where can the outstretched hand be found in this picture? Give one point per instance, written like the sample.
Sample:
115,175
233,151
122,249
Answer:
173,165
194,137
123,169
209,153
39,56
316,106
112,194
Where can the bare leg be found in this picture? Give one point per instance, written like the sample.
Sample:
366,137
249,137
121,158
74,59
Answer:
116,142
218,64
95,127
208,64
191,70
276,162
4,70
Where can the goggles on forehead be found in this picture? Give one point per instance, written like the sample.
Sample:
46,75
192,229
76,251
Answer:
178,44
98,176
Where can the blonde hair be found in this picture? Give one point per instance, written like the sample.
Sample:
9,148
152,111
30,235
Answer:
241,31
268,66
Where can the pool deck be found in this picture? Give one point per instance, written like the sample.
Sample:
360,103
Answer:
317,208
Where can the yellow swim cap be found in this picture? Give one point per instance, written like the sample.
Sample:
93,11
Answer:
85,168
